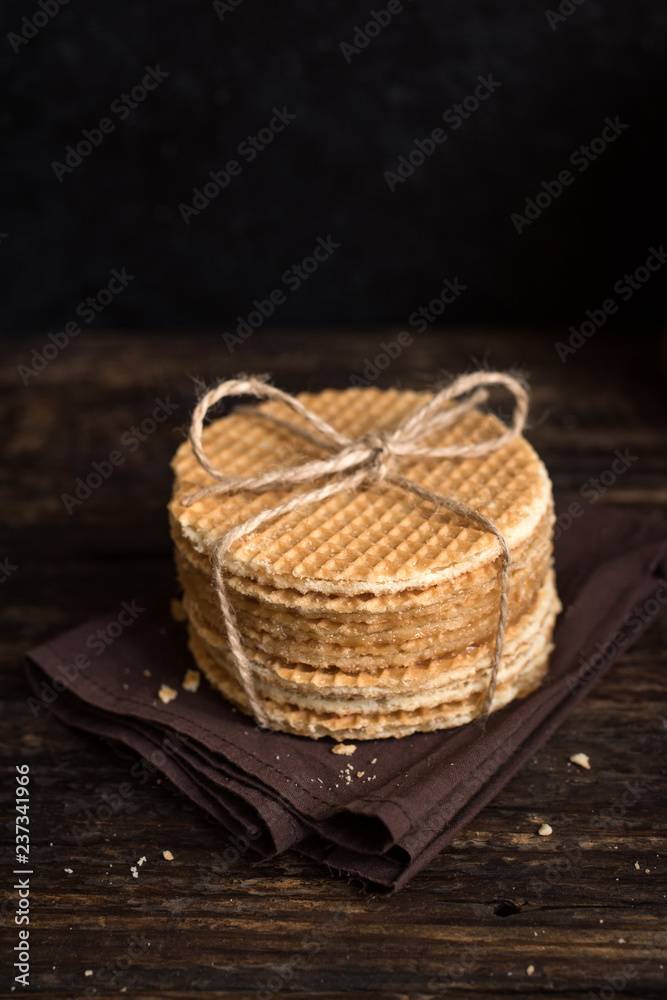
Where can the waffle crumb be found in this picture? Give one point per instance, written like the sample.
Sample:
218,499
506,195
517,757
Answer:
177,610
360,774
637,865
582,759
545,830
88,972
167,855
345,748
374,761
530,969
191,681
166,694
147,673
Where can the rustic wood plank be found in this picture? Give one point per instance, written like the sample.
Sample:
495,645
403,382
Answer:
572,905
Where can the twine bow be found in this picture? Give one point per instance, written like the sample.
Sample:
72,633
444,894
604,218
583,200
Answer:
352,465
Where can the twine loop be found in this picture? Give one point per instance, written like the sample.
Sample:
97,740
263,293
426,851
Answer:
352,465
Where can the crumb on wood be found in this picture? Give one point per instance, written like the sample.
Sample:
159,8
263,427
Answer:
344,748
545,830
530,969
166,694
167,855
147,673
191,681
582,759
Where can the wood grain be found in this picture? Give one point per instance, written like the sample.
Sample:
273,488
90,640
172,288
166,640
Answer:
501,898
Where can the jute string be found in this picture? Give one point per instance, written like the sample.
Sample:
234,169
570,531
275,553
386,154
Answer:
353,465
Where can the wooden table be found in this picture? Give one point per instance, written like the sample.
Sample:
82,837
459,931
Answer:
575,915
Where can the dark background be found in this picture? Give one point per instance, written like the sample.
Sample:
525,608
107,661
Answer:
324,174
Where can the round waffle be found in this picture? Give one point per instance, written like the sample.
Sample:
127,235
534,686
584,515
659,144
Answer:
369,725
471,663
468,617
378,539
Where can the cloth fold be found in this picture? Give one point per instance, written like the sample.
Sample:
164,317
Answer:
384,812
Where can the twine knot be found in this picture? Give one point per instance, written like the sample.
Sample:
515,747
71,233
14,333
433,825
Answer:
351,465
379,453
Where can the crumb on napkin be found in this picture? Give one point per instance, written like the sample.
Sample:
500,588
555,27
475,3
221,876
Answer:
191,681
166,694
177,610
344,748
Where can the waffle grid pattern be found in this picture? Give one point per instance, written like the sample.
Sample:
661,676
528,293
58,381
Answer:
378,535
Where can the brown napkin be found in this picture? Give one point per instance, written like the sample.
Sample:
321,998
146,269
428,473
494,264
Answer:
270,791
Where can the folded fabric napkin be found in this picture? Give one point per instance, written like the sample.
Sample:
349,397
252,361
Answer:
382,813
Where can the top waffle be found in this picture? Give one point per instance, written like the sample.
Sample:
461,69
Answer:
375,540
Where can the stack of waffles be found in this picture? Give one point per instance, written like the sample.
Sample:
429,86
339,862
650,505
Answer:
375,613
